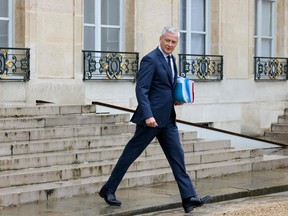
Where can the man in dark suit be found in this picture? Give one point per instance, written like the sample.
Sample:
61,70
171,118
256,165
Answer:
155,117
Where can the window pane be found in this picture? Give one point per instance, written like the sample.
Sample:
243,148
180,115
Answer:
3,33
110,39
183,15
198,15
197,44
183,43
110,12
89,11
266,47
89,38
255,18
266,18
3,8
255,47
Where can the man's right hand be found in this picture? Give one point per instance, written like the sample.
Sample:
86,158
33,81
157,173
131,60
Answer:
151,122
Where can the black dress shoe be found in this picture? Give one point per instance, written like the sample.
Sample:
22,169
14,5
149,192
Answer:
109,197
195,202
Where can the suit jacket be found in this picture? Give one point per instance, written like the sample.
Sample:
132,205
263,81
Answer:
154,90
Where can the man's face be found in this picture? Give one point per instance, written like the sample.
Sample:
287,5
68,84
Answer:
168,42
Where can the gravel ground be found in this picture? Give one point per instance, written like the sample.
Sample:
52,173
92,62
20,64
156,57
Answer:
267,205
271,209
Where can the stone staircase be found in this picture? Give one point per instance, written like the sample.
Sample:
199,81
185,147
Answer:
279,130
52,152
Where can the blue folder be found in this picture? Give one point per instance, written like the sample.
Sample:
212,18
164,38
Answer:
184,90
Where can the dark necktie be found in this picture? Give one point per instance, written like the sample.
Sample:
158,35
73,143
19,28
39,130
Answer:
169,64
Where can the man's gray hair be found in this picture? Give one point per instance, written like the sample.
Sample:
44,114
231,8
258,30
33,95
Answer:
170,29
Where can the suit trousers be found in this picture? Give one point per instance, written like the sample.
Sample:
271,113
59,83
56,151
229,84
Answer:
168,138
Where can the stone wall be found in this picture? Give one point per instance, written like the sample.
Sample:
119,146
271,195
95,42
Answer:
54,31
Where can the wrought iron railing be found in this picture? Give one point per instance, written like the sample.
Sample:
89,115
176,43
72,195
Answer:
102,65
201,67
14,64
272,69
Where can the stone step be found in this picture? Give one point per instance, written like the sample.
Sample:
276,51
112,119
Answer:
61,120
56,158
279,131
279,128
277,135
62,144
85,169
90,142
64,151
204,145
194,146
45,110
64,189
267,162
64,132
283,119
283,141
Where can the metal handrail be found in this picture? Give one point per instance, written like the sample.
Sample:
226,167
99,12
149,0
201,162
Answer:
192,124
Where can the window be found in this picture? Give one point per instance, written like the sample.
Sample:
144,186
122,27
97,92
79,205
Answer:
6,23
103,25
194,26
265,28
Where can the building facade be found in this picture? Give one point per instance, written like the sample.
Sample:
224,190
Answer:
75,53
